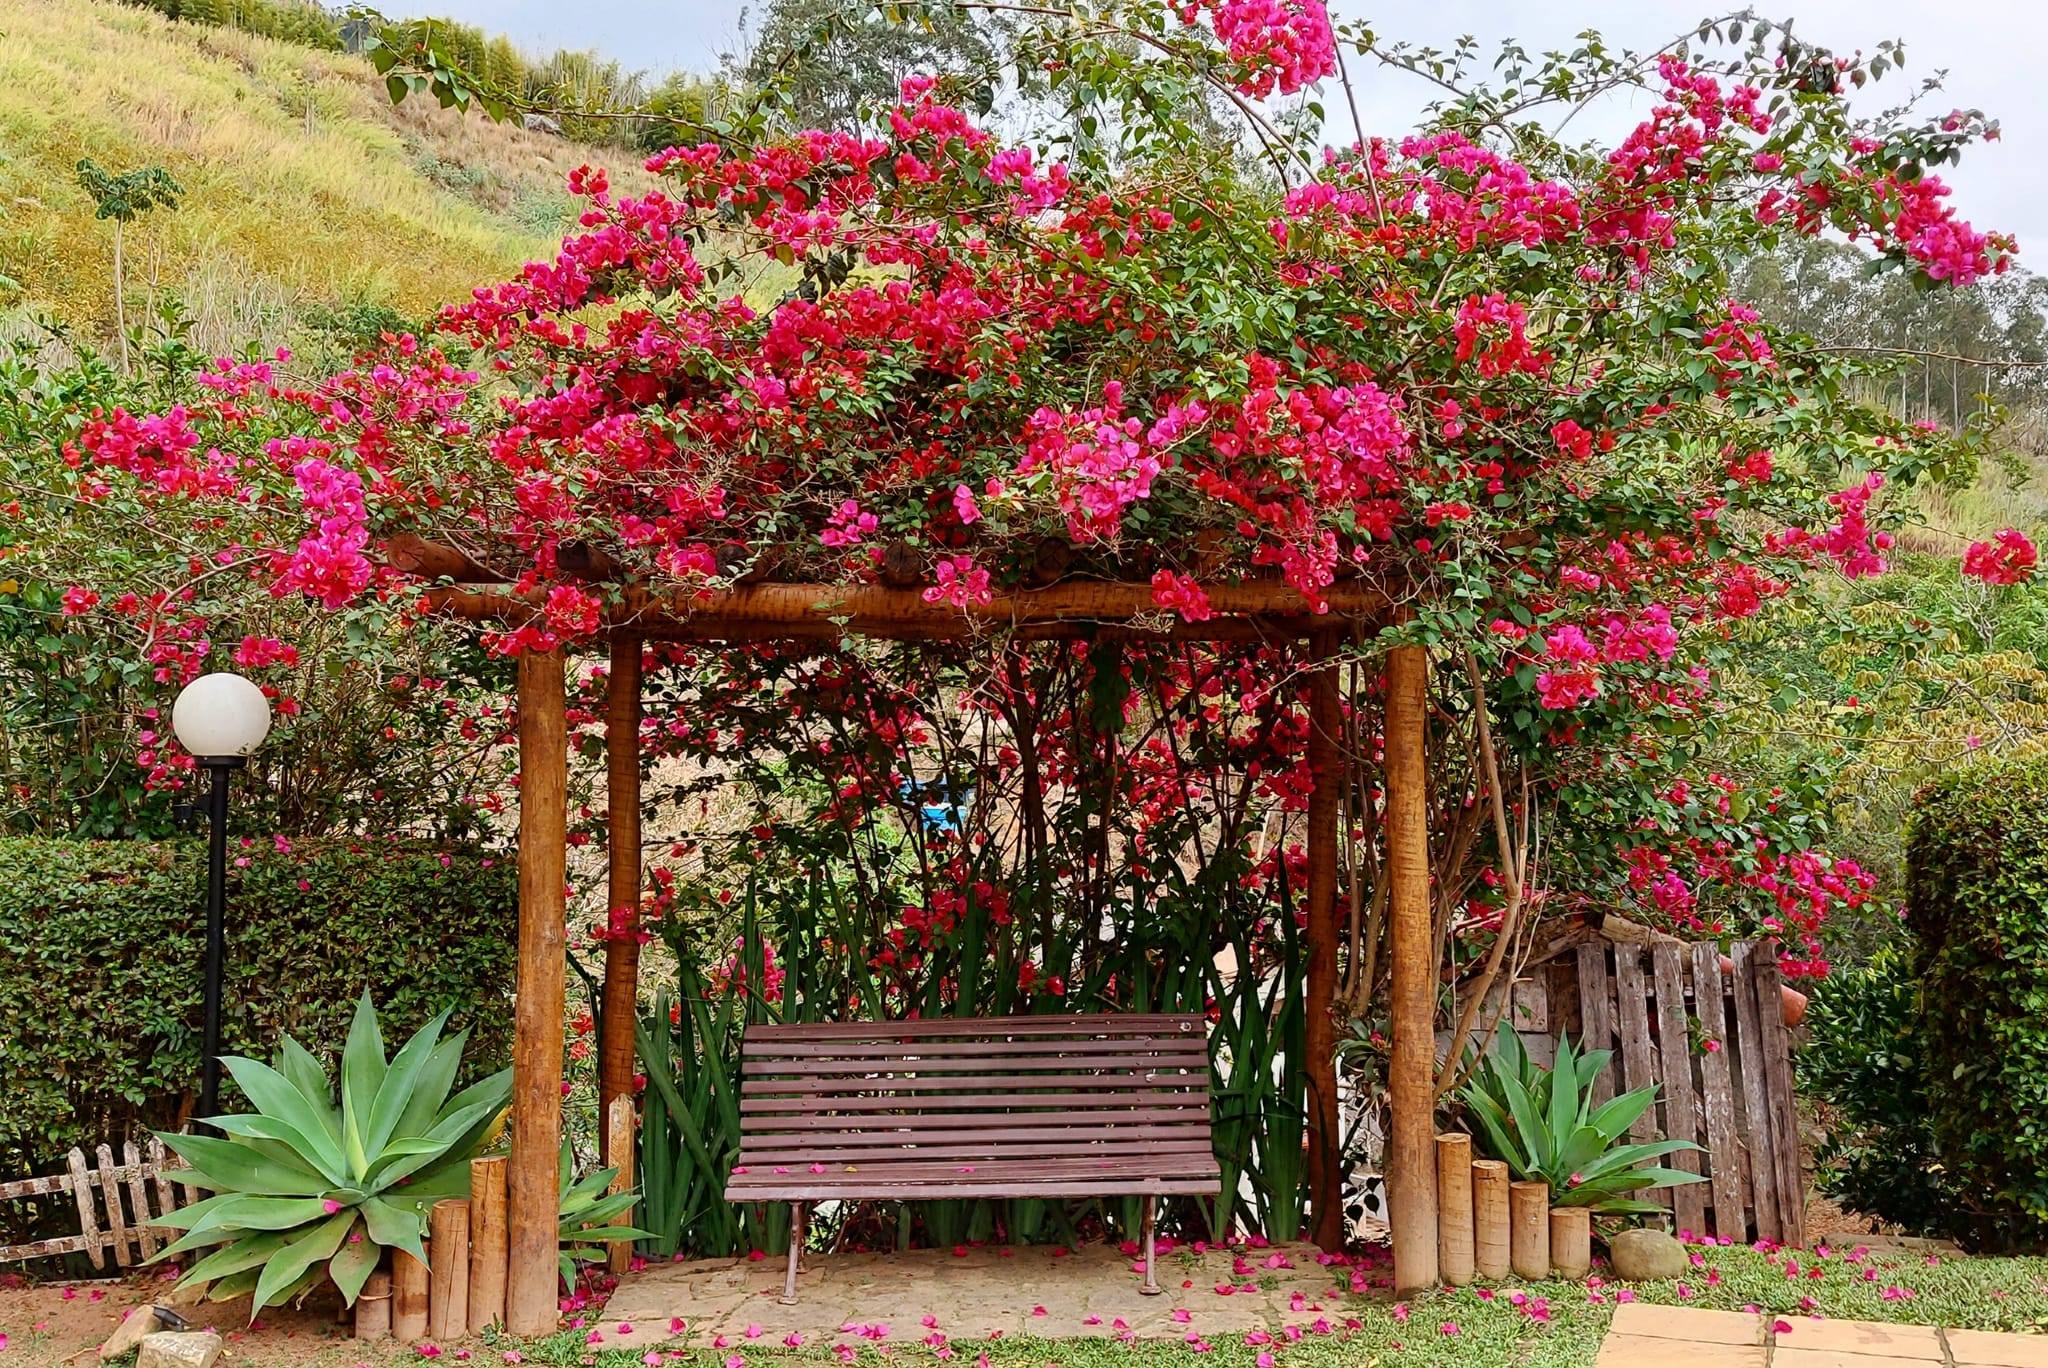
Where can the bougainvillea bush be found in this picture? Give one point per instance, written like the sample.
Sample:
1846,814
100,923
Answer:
1490,375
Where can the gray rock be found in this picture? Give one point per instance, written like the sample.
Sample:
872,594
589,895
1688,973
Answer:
179,1349
541,123
1647,1256
137,1323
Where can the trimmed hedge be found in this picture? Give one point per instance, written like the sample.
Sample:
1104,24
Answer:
102,957
1977,902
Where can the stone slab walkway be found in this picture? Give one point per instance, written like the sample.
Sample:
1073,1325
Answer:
1645,1336
974,1294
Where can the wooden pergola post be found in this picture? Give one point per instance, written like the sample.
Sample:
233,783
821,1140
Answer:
1325,1130
615,1054
1411,1074
532,1203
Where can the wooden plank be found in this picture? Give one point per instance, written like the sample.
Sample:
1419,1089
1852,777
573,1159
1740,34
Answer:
1164,1072
1755,1133
978,1048
35,1187
1596,1014
1638,1056
839,1148
1047,1122
1531,1005
1681,1114
1777,1056
1021,1084
88,1223
1717,1096
911,1108
43,1249
1104,1069
1078,1024
807,1188
110,1193
166,1196
138,1196
1638,1059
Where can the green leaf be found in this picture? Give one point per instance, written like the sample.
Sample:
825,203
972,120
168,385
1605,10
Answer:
353,1263
362,1075
290,1264
224,1166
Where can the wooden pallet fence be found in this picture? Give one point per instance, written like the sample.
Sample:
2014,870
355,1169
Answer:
1722,1061
118,1204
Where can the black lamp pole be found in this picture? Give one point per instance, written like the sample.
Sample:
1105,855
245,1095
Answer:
218,768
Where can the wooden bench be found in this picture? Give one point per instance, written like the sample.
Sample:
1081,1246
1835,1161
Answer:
1028,1106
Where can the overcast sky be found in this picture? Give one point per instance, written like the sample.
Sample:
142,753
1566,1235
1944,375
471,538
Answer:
1992,50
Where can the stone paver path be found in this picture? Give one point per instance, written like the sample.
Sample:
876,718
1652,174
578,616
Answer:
1025,1290
1645,1336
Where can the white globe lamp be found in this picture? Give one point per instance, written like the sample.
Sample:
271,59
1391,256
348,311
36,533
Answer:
221,716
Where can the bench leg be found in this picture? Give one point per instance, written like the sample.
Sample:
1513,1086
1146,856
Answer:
796,1249
1151,1286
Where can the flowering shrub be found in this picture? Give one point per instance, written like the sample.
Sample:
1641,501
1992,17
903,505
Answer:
1498,380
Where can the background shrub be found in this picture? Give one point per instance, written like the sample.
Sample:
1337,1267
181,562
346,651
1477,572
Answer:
102,949
1977,903
1866,1064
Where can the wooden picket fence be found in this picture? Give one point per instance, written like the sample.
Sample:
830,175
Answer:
145,1182
1722,1059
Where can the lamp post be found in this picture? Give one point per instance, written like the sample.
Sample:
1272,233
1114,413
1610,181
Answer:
220,719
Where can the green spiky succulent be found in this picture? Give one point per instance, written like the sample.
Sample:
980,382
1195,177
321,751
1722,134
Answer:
1542,1123
303,1186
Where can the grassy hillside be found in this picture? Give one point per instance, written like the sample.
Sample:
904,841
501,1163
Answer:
305,186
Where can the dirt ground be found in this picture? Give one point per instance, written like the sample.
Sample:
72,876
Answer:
47,1324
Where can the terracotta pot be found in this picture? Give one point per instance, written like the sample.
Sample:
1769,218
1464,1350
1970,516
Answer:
1793,1001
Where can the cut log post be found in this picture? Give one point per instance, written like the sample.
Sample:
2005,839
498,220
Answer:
1571,1242
1529,1229
373,1307
532,1204
1490,1239
1454,1231
621,999
448,1283
486,1241
1411,1073
619,1127
1326,777
408,1297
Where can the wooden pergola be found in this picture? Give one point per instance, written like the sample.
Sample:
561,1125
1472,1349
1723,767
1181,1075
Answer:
1268,611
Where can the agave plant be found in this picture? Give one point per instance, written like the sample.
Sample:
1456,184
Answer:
1543,1125
584,1204
304,1186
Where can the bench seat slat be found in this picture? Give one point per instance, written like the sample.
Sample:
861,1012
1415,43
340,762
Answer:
1192,1117
982,1028
1104,1105
805,1144
807,1188
838,1151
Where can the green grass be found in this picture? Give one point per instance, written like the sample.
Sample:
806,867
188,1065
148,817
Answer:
1983,1294
304,183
